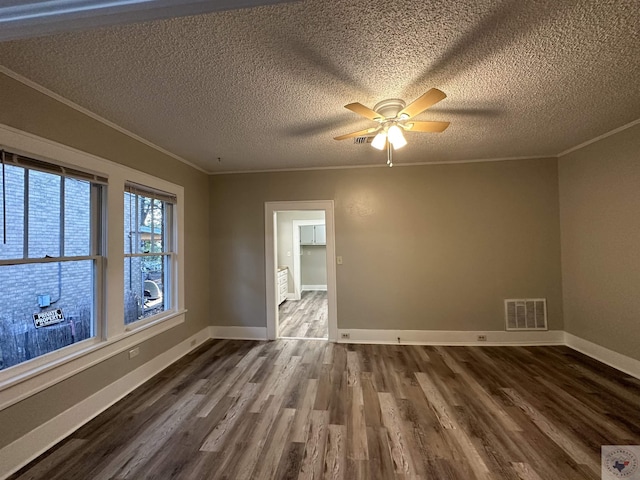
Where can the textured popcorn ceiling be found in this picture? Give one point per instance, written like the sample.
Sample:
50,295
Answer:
265,87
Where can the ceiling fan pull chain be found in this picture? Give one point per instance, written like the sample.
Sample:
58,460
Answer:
389,154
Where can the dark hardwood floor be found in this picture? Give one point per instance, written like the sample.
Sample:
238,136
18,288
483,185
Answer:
300,409
305,318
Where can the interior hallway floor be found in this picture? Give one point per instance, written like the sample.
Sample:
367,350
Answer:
305,318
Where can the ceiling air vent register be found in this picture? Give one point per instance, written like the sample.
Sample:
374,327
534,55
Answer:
526,314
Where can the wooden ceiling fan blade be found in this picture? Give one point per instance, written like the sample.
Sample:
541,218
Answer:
435,127
360,109
357,134
419,105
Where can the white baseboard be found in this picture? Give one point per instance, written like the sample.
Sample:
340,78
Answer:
238,333
625,364
314,288
19,453
292,296
443,337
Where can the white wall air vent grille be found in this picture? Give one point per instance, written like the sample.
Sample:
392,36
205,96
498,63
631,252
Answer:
526,314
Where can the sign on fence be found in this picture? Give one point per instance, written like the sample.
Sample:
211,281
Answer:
50,317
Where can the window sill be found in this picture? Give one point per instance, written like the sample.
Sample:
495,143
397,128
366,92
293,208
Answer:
22,385
152,321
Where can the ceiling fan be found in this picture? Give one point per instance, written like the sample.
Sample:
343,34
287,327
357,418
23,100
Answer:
393,117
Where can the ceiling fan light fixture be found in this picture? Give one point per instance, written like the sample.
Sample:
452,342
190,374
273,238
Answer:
379,141
396,137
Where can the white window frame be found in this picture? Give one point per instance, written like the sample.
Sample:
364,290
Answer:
23,380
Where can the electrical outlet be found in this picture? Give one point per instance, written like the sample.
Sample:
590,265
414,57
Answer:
345,335
398,339
134,352
482,338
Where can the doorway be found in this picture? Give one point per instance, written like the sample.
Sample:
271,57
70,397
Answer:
300,270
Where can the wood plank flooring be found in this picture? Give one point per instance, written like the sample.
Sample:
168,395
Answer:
305,318
302,409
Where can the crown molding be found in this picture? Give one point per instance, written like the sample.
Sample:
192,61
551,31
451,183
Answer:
89,113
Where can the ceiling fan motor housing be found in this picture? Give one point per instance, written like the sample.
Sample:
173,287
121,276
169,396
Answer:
389,108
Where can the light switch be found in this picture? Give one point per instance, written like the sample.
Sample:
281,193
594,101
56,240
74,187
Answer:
339,260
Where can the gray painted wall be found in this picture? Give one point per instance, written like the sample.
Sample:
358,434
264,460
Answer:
313,265
600,218
424,247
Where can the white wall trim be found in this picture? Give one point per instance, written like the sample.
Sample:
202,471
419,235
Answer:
454,337
238,333
314,288
19,453
625,364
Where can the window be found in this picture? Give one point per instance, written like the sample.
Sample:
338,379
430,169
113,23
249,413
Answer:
50,257
59,221
148,252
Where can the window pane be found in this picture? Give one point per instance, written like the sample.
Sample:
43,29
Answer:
30,289
155,225
14,210
144,224
145,292
151,217
77,217
44,214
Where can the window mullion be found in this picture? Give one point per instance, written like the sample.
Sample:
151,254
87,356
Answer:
4,200
153,223
25,222
136,225
61,230
146,254
25,261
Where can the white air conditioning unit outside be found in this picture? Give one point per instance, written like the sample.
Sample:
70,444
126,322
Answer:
525,314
